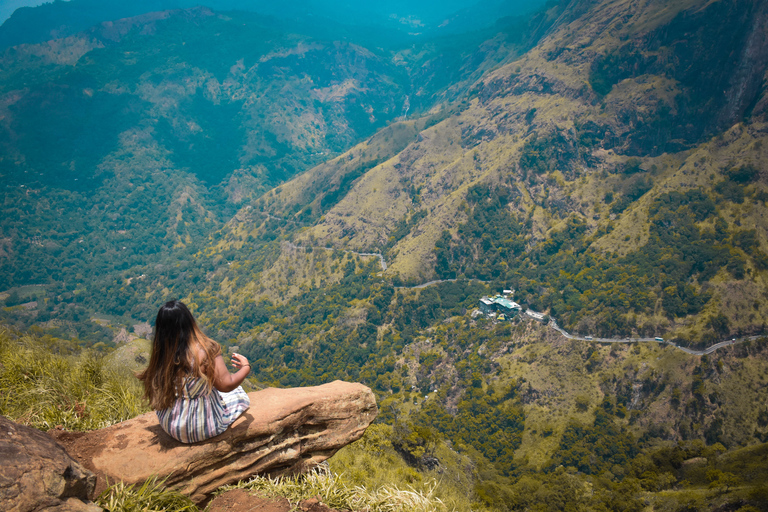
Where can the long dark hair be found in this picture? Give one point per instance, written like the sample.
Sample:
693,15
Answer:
176,354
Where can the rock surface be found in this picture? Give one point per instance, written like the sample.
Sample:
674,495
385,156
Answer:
37,474
284,431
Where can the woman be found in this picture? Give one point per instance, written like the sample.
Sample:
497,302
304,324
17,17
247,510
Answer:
187,381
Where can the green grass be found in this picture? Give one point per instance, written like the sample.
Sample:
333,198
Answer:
373,463
334,492
149,496
367,475
46,382
43,387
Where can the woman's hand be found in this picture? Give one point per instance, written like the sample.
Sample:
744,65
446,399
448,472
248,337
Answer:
225,381
240,361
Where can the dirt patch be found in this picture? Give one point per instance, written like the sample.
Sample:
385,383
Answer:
239,500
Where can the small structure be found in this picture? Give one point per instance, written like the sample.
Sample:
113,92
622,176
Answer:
498,304
507,306
535,315
487,306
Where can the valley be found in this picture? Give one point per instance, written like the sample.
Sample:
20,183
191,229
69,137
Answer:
332,200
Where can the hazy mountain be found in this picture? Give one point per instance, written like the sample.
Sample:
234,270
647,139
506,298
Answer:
158,135
639,157
60,19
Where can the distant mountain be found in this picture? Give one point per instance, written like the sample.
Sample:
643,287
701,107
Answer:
617,159
59,19
128,143
334,207
146,133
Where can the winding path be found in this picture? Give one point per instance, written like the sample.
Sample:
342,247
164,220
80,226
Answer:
438,281
708,350
383,265
313,247
381,258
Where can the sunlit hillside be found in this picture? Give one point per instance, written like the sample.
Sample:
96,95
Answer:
333,202
624,201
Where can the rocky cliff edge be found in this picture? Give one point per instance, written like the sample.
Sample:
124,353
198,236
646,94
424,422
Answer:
284,431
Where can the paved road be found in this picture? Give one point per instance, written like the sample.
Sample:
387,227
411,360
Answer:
383,264
438,281
381,258
552,322
687,350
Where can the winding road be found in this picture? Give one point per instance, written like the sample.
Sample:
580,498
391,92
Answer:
552,322
708,350
313,247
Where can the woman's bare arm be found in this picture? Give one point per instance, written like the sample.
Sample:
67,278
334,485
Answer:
225,381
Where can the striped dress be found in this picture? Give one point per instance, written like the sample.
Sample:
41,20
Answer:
198,415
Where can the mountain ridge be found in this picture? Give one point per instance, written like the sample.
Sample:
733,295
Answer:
351,221
586,158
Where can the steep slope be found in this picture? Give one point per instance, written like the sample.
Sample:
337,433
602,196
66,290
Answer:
216,108
597,177
123,147
159,135
403,20
605,155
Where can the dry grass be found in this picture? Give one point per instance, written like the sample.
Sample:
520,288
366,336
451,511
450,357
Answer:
43,389
332,491
148,497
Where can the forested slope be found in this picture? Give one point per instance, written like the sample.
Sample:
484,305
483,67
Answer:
605,160
622,199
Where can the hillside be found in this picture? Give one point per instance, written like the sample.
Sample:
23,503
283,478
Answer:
154,137
624,201
605,160
518,418
393,18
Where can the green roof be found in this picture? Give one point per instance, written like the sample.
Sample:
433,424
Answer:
506,303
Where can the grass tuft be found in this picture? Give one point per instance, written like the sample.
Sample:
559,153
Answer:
44,389
331,490
150,496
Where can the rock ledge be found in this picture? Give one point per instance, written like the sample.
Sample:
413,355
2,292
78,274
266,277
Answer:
284,431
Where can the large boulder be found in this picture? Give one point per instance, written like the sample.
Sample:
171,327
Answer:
284,431
37,474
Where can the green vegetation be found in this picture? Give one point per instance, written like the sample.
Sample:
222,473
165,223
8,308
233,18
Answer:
576,283
44,384
151,495
419,452
334,492
594,449
540,154
632,205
